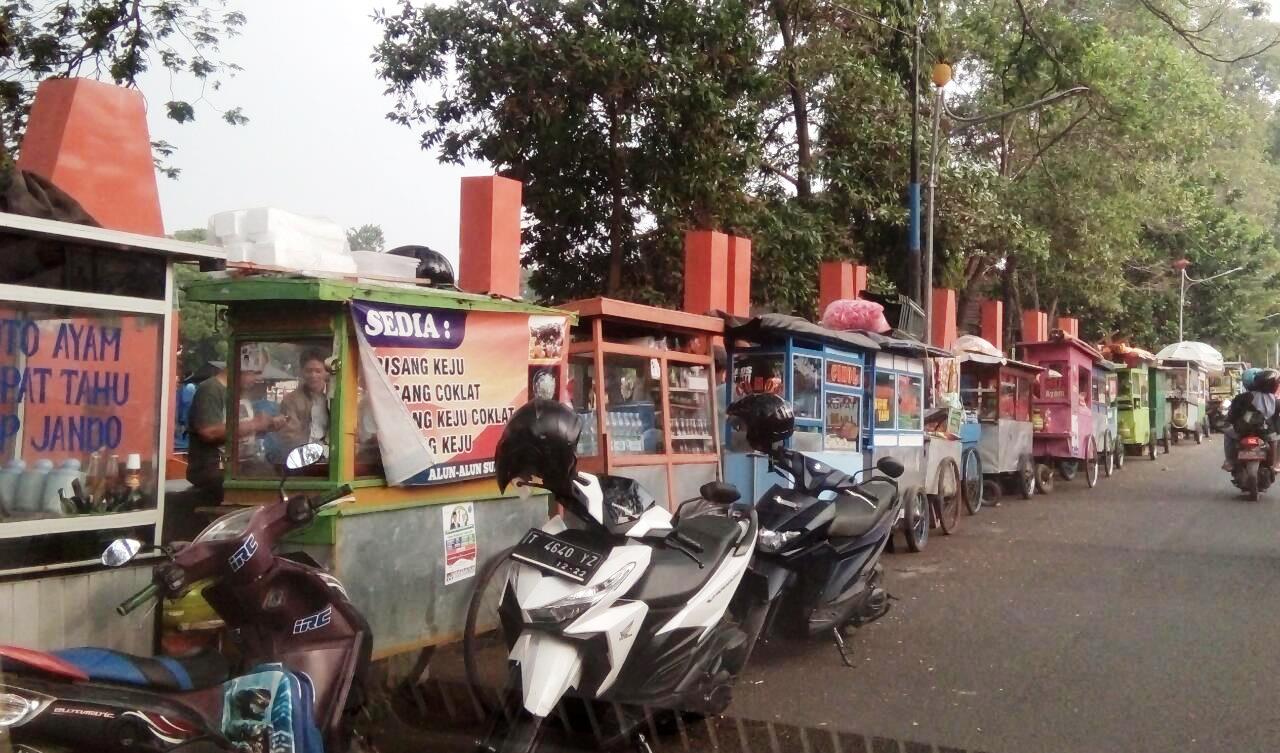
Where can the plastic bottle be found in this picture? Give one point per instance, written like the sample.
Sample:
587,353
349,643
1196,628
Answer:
60,480
9,476
30,494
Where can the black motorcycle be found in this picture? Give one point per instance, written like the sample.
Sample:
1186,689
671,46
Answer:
817,560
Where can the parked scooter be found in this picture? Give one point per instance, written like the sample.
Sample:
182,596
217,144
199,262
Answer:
817,563
305,647
615,598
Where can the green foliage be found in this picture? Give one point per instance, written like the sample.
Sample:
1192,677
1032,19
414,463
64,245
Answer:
789,121
366,238
116,41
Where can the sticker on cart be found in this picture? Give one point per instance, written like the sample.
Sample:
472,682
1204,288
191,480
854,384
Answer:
460,551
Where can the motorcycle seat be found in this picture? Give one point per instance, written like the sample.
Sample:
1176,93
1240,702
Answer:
855,516
672,578
202,670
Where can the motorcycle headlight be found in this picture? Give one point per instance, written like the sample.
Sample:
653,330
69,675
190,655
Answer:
16,710
575,604
775,541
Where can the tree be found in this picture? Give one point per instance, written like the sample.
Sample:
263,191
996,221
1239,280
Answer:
366,238
200,338
116,41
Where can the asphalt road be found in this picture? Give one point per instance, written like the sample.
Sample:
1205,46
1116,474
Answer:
1136,616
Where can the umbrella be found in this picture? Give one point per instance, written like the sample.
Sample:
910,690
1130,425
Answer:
974,348
1189,350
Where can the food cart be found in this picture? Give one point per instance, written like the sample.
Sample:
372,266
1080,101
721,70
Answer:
1188,395
410,387
1133,402
1061,409
653,414
822,372
1222,387
997,391
1106,427
1160,383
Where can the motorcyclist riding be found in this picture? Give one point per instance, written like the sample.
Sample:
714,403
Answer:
1260,396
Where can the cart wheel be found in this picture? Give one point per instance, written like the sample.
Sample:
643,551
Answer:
1091,463
1120,453
1108,457
1199,436
991,492
1151,448
1164,442
971,484
949,496
1027,472
1044,478
917,529
1067,469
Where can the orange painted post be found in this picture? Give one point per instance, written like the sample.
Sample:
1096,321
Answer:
739,293
1070,325
835,281
1035,326
993,323
706,271
944,318
489,236
91,140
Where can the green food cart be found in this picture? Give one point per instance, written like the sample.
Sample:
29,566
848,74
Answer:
410,387
1160,380
1134,403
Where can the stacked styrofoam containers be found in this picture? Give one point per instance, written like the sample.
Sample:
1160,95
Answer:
277,238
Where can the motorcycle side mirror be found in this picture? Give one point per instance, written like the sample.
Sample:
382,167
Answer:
121,552
305,455
890,467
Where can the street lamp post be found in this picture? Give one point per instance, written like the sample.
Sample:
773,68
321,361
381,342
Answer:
1186,282
941,77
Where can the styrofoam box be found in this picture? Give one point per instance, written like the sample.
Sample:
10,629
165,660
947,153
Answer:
385,265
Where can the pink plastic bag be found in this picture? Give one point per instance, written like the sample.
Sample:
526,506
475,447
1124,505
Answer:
855,314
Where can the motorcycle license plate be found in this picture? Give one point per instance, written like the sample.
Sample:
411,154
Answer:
554,555
1251,455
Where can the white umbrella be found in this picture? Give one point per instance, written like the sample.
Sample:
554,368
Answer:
974,348
1190,350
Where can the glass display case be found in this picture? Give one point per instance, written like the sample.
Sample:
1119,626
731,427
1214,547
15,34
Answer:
653,412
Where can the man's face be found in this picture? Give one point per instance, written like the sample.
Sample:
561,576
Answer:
314,376
248,378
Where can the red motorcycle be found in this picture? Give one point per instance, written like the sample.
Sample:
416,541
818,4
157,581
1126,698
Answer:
305,654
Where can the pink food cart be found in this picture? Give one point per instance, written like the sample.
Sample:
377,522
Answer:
1061,408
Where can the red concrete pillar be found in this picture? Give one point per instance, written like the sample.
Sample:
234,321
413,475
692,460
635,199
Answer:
706,271
839,279
1035,326
91,140
739,292
489,235
943,325
993,323
1070,325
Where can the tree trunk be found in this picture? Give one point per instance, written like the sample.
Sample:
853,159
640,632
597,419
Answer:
799,101
969,316
617,213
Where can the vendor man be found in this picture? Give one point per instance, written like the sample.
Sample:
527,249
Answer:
208,428
306,409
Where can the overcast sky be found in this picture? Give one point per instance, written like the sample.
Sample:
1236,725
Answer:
317,142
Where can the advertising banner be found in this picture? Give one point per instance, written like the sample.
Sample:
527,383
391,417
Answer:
459,376
460,551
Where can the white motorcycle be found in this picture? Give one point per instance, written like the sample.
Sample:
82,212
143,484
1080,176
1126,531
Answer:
615,599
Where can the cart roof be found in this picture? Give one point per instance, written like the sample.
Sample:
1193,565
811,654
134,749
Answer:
97,236
286,287
1058,338
766,327
610,308
908,347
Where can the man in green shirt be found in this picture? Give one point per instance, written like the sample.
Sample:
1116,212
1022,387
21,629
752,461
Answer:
208,429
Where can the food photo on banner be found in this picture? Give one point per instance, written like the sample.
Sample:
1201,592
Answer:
443,382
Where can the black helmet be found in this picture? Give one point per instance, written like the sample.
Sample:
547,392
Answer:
432,265
767,418
540,440
1266,380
